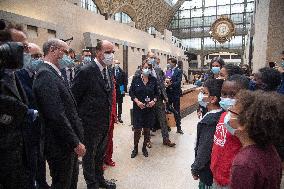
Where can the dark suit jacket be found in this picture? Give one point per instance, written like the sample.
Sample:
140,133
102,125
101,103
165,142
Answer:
58,110
174,90
13,111
27,83
93,99
121,79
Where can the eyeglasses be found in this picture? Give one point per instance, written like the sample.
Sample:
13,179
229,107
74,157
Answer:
233,112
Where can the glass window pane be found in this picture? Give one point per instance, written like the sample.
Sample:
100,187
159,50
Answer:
196,13
210,11
209,3
185,14
237,1
237,8
250,7
223,2
223,10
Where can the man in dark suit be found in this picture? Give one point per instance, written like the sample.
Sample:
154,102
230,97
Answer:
121,87
92,88
58,111
174,92
33,140
159,106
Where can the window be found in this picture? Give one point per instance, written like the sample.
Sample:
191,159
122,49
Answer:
90,5
122,17
221,10
32,31
51,34
210,3
210,11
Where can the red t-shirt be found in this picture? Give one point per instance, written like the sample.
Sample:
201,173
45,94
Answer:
224,150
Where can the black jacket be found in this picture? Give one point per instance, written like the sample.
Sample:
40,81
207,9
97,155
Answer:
58,110
205,137
93,98
121,79
13,111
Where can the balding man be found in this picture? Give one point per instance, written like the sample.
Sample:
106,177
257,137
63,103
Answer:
58,111
160,113
32,59
92,88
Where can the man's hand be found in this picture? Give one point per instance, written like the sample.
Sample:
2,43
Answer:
80,150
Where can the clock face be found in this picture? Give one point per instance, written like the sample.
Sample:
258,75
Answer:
223,30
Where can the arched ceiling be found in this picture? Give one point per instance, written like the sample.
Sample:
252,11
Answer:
156,13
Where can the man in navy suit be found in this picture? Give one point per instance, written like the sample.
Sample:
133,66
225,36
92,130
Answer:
92,88
36,164
174,92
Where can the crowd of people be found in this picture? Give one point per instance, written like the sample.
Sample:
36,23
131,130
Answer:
57,106
240,136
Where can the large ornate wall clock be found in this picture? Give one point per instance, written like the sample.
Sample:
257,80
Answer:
222,30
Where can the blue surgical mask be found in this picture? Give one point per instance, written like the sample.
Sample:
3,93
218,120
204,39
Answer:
282,64
200,100
168,66
227,123
215,70
226,103
65,61
146,72
153,61
27,60
35,63
87,59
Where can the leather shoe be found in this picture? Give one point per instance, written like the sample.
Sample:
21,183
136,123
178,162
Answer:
110,163
134,153
145,152
180,132
168,143
120,120
107,184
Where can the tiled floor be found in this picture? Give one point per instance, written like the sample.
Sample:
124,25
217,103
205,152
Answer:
165,168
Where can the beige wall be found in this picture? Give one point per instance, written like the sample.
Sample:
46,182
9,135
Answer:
268,37
70,20
275,38
260,37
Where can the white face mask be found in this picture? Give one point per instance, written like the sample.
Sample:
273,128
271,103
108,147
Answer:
108,58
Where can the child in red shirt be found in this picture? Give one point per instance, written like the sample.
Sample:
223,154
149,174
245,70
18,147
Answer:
226,145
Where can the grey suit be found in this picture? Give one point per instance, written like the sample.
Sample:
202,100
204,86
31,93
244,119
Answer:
62,125
160,107
94,100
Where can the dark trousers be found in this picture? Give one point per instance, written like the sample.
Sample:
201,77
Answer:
95,143
41,170
13,172
161,118
119,101
64,170
175,102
